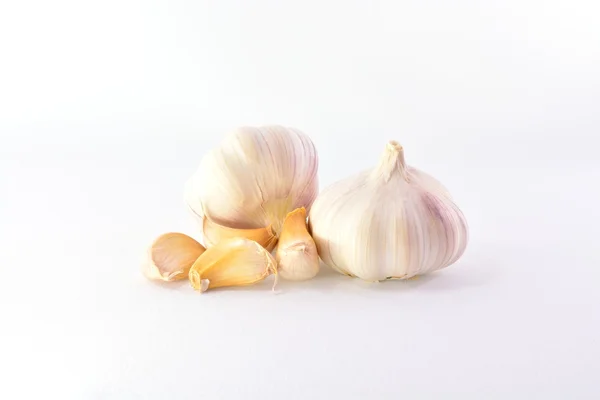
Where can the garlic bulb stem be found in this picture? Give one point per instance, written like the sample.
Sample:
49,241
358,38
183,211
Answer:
391,162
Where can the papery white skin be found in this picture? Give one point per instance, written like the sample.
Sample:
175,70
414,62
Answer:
254,178
391,222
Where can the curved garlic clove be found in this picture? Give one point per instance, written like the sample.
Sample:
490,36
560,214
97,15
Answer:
215,233
232,262
255,177
296,255
171,256
391,222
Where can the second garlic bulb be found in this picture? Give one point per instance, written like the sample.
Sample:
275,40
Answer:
391,222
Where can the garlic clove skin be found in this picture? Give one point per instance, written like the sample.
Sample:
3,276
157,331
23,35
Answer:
232,262
215,233
255,178
171,256
296,255
390,222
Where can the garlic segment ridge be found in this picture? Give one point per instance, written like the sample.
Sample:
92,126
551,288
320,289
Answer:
251,182
390,222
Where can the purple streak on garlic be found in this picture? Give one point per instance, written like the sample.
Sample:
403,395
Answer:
390,222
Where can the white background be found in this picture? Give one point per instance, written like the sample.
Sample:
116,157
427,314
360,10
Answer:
107,107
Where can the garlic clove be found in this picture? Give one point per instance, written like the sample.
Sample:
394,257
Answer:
296,255
232,262
215,233
171,256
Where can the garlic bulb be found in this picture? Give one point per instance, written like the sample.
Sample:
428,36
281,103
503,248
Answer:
251,182
232,262
296,256
391,222
171,256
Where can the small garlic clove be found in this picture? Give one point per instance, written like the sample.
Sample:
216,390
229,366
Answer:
171,256
215,233
232,262
296,255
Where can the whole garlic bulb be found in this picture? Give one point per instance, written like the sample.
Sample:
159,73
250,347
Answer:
391,222
247,186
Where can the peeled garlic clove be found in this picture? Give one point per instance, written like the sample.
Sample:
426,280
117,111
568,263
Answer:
232,262
215,233
255,178
171,256
390,222
296,256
